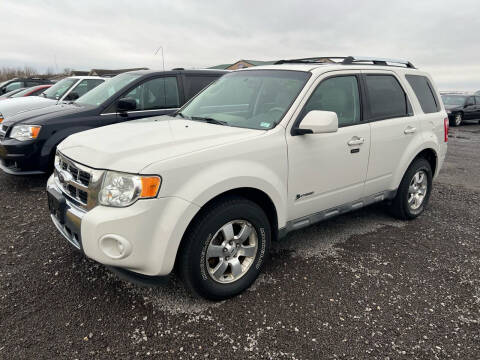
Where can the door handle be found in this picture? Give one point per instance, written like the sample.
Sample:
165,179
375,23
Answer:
356,141
410,130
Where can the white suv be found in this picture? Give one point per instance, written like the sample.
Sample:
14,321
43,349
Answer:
257,154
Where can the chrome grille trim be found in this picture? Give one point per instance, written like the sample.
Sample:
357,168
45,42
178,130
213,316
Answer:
78,182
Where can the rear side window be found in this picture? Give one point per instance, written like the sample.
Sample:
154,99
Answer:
424,92
86,85
386,98
477,100
194,84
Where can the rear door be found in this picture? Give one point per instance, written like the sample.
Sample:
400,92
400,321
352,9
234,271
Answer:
154,97
470,109
477,101
393,127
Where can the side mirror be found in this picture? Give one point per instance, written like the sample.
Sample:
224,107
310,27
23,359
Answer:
72,96
126,104
318,122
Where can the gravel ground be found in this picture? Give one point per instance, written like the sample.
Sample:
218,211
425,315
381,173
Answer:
362,285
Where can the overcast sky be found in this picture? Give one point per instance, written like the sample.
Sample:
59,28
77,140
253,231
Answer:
439,36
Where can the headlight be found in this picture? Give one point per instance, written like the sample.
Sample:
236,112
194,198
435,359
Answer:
25,132
120,189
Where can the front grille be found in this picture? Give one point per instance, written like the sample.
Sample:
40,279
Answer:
78,182
3,131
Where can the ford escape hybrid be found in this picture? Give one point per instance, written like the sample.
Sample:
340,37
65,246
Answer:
257,154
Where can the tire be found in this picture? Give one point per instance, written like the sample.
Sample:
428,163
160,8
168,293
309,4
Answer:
457,120
401,207
203,272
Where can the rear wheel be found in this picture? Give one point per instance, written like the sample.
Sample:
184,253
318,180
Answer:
225,248
414,191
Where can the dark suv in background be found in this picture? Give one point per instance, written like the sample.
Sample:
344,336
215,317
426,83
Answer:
17,83
461,106
29,139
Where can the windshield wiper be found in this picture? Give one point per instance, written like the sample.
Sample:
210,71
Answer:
179,114
209,120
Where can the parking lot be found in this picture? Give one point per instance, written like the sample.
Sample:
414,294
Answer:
362,285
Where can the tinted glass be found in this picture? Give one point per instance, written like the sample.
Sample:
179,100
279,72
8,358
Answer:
424,93
340,95
386,97
256,99
470,101
454,100
106,90
33,83
193,84
86,85
14,86
59,89
159,93
477,100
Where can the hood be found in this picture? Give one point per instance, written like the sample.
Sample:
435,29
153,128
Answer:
11,107
39,115
452,107
131,146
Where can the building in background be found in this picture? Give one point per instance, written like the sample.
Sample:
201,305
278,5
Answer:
242,64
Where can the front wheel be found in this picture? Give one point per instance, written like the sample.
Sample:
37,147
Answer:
414,191
225,248
457,120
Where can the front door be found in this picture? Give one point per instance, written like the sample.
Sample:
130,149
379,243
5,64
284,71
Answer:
328,170
154,97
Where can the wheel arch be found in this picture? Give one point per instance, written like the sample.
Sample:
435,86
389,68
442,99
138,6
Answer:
428,152
255,195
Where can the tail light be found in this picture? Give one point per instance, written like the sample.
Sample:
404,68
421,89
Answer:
446,126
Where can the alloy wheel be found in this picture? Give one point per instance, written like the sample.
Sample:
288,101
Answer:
231,251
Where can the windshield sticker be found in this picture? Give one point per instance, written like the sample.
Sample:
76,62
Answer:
265,124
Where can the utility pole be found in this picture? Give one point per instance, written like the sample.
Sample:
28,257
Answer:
163,58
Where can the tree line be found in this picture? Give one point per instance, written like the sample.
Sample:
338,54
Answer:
7,73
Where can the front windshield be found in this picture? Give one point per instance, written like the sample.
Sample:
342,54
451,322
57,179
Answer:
255,99
457,100
104,91
21,93
59,89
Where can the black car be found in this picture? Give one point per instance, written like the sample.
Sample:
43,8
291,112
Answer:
17,83
28,140
461,107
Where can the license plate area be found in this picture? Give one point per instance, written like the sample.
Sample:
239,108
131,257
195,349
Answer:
57,204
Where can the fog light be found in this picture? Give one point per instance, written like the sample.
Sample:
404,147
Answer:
115,247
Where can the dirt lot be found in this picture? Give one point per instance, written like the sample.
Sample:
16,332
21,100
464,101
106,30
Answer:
359,286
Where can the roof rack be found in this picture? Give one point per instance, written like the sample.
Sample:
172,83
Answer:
349,60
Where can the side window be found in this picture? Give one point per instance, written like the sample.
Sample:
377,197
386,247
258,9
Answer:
470,101
32,83
194,84
337,94
86,85
159,93
477,100
386,98
424,92
14,86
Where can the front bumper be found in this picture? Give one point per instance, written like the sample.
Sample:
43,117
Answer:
150,231
22,157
